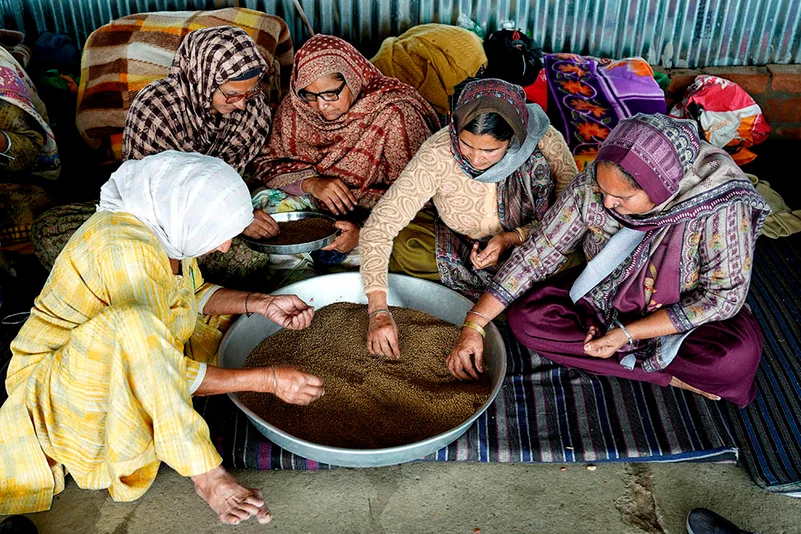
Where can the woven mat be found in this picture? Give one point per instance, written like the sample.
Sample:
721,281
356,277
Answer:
548,413
545,413
768,431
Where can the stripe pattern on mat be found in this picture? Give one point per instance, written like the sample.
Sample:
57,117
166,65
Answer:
768,431
545,413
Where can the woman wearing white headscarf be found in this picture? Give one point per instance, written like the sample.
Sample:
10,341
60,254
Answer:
102,374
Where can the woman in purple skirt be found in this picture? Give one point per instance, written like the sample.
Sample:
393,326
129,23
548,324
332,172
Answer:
668,224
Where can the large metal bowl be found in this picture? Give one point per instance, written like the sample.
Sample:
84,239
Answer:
247,332
297,248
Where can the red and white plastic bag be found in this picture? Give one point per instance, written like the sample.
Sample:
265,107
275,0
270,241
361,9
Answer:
727,115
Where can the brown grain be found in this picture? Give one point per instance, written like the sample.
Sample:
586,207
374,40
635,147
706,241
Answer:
301,231
370,402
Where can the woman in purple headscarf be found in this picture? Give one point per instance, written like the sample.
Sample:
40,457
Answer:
668,224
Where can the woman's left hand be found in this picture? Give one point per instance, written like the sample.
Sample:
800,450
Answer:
287,311
493,251
605,346
262,227
347,239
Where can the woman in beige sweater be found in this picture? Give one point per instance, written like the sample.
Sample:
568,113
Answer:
491,176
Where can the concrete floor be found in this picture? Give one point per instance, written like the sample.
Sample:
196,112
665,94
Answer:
446,498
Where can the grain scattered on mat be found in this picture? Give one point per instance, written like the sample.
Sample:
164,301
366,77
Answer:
370,402
301,231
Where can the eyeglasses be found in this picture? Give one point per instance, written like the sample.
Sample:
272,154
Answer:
326,96
236,97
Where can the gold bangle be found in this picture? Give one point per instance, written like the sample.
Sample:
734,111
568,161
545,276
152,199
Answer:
474,326
520,235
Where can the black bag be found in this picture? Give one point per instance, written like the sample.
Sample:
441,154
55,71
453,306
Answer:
512,56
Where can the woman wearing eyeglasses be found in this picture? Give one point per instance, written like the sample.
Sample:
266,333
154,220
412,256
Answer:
210,103
343,134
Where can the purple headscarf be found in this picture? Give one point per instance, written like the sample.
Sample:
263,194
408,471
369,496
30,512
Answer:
688,180
655,150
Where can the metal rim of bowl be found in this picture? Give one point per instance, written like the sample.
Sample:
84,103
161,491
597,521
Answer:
297,248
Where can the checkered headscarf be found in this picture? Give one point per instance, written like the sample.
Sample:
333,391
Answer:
176,113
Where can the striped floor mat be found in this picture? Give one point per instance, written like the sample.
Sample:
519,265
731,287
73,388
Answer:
551,414
768,431
546,413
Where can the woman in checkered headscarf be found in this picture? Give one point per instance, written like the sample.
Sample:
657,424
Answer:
210,103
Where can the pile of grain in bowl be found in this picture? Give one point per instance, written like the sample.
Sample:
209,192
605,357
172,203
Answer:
301,231
370,401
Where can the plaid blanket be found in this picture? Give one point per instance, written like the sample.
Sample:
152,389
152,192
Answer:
122,57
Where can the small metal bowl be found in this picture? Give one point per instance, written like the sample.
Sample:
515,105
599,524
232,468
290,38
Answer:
297,248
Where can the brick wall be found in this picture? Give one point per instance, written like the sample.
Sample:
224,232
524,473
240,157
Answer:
776,88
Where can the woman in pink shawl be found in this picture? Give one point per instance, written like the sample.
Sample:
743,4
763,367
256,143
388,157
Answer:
343,134
668,224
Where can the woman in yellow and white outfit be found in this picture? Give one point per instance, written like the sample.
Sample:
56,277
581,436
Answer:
102,373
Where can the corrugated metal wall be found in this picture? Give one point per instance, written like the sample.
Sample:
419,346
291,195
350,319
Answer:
673,33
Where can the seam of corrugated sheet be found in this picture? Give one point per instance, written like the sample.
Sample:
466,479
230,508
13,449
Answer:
671,33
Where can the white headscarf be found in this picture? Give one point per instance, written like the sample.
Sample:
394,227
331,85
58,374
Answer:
193,203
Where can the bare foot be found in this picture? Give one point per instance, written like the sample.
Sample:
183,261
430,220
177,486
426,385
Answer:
232,502
675,382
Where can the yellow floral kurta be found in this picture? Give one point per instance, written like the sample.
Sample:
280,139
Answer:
99,385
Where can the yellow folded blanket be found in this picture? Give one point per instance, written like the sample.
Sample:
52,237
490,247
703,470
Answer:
432,58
